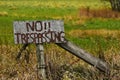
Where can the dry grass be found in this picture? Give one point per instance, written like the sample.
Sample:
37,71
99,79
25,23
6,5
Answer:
60,65
4,13
26,69
13,70
98,13
102,32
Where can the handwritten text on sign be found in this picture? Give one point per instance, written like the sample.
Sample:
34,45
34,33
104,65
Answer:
39,31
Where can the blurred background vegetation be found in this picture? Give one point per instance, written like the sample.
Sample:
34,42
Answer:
90,24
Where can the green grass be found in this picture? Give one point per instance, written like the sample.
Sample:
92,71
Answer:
52,9
110,24
56,58
92,43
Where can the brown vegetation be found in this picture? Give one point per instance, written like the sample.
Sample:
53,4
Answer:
61,65
98,13
102,32
4,13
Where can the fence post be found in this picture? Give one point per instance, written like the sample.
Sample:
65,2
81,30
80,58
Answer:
41,61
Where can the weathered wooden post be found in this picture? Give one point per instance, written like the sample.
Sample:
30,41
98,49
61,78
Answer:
87,57
41,61
38,32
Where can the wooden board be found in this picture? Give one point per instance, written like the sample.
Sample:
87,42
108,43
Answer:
39,31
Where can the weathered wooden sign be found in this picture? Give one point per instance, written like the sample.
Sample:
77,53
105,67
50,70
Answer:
39,31
50,31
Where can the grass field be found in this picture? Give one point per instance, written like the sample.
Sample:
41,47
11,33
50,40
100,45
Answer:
90,24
